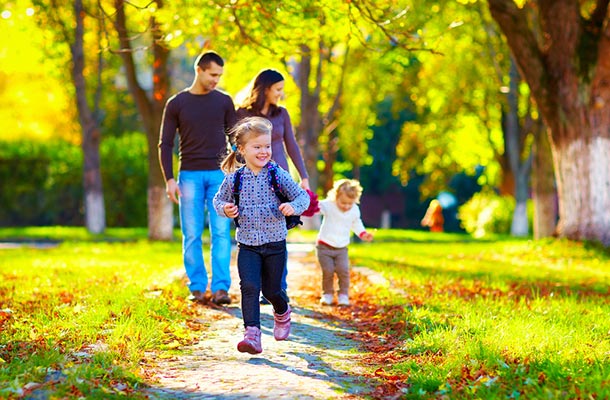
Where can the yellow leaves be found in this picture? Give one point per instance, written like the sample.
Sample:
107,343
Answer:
174,344
5,315
32,103
66,297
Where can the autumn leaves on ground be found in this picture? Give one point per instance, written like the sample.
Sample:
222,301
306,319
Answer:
454,318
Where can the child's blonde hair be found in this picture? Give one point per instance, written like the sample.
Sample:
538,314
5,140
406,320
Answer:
245,130
348,187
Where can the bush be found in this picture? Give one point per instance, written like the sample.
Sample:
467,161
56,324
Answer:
487,212
125,178
41,182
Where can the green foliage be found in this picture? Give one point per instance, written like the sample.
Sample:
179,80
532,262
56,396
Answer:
378,177
125,179
457,93
41,182
487,212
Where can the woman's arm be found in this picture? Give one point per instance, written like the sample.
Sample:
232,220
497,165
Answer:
292,148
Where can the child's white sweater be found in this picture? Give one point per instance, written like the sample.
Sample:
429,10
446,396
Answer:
337,225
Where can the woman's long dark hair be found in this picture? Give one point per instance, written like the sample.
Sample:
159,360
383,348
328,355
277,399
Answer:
256,98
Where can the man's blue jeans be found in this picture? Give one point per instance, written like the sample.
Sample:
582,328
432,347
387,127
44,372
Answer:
261,268
198,189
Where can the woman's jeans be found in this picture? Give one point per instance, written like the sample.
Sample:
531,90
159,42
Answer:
261,267
198,189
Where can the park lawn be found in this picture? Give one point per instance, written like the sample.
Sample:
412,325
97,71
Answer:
494,319
80,319
462,318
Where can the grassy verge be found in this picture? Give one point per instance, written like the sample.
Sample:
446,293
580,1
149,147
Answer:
78,319
489,319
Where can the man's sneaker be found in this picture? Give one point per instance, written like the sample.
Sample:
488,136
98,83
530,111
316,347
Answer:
343,300
281,325
221,297
200,297
252,341
326,299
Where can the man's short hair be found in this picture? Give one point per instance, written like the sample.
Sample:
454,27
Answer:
205,59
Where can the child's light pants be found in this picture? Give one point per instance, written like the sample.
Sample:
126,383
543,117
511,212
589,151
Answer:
333,261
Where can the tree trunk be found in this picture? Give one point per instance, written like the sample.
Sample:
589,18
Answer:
543,187
582,167
310,124
520,224
515,148
95,213
160,208
569,77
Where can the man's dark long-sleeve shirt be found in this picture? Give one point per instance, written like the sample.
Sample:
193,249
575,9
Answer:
203,122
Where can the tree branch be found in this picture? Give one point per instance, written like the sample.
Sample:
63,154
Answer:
528,56
126,53
383,25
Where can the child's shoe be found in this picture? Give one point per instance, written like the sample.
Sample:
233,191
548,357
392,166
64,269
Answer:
343,300
281,325
252,341
326,299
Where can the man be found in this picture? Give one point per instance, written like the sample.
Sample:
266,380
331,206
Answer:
203,117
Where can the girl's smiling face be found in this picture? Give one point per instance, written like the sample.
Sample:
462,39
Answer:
257,151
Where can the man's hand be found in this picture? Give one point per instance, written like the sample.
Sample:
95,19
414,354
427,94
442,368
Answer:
173,190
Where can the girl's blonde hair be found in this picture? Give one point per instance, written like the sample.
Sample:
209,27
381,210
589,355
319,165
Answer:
245,130
347,187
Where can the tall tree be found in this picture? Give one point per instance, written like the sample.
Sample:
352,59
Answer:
486,117
150,107
544,193
70,28
568,71
517,153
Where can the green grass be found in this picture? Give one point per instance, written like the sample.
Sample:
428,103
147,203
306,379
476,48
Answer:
81,316
494,319
471,319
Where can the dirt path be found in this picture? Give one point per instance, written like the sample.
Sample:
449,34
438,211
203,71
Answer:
316,362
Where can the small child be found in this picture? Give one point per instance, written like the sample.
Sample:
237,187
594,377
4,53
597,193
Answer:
261,226
341,216
434,217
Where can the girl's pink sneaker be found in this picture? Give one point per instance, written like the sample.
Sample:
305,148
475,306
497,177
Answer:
252,341
281,325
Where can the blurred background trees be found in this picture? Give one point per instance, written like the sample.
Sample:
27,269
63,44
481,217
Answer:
418,100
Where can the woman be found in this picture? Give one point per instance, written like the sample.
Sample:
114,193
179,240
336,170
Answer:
262,101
